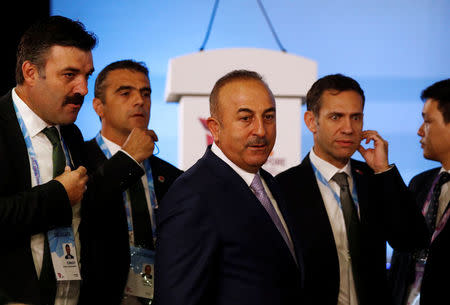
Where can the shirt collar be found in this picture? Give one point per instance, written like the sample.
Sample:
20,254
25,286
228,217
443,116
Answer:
32,121
327,169
112,147
248,177
444,170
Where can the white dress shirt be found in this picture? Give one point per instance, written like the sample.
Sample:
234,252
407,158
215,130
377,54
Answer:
43,149
444,198
248,178
347,292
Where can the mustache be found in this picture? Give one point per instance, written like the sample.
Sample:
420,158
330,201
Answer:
76,99
257,141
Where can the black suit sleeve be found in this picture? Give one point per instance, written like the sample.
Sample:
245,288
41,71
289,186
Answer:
107,181
405,227
33,211
185,247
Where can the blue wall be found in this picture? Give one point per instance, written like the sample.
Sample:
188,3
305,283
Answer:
393,48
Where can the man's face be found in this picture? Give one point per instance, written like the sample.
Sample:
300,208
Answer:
434,133
338,127
126,103
68,249
245,127
58,91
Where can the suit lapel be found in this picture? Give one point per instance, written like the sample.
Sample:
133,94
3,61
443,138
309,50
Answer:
14,143
234,184
361,180
312,210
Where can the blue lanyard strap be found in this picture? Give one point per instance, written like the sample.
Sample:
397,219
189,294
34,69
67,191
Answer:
324,181
151,187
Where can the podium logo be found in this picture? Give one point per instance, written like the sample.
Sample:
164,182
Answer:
209,137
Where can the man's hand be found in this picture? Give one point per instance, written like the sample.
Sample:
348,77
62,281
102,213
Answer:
376,157
74,181
140,144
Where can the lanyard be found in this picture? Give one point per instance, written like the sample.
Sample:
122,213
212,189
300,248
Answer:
126,198
324,181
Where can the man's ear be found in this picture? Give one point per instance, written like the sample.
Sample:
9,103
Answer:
310,121
30,72
97,104
214,128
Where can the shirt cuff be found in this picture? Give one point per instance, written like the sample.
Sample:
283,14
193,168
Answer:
391,166
132,158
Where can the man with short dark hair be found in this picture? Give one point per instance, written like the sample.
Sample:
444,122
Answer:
41,181
121,211
224,236
349,208
420,277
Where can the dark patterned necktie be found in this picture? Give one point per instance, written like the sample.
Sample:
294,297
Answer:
353,229
431,214
259,191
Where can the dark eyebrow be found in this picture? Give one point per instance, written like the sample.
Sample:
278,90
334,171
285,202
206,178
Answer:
245,110
70,69
272,109
336,113
75,70
123,88
145,89
357,114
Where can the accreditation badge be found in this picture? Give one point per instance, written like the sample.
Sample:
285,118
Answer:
141,276
63,253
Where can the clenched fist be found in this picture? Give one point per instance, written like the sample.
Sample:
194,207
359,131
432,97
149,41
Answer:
74,181
140,144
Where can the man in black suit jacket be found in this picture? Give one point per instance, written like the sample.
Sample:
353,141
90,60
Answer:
53,65
435,140
122,101
345,258
217,242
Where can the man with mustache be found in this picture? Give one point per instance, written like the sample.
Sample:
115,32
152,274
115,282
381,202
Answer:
224,236
421,277
348,208
41,181
114,219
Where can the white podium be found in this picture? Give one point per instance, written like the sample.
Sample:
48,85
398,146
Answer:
191,77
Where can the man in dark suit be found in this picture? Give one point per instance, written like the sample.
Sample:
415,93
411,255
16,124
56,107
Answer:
224,236
37,195
114,222
421,277
349,208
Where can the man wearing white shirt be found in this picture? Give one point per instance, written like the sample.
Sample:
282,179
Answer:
38,196
223,233
118,220
420,277
349,208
